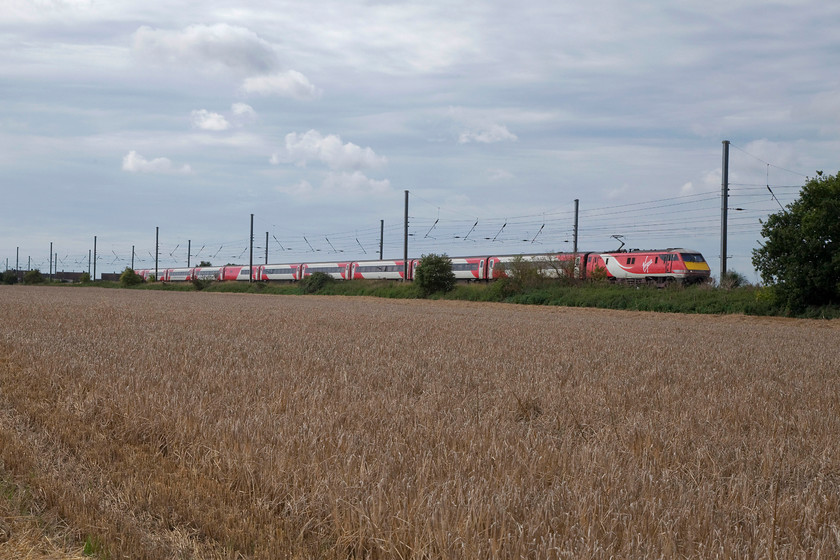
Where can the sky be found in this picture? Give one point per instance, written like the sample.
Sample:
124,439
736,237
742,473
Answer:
123,119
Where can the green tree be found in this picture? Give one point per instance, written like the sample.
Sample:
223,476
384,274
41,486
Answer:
521,275
130,278
314,282
731,280
202,264
800,256
33,277
10,277
201,283
434,274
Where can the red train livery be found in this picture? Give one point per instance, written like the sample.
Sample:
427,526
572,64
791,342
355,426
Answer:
658,266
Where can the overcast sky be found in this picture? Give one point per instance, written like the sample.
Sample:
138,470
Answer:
122,116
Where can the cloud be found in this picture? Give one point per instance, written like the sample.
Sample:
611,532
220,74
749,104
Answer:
299,190
781,154
345,161
355,183
487,134
205,120
499,175
479,126
135,163
241,114
208,47
618,192
329,150
243,111
337,186
284,84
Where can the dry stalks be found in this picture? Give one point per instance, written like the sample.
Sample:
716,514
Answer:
195,425
27,533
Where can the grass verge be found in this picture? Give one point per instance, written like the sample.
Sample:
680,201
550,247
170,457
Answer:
703,299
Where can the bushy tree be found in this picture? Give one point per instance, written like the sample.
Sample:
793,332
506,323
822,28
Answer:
434,274
521,275
10,277
84,278
731,280
201,283
130,278
33,277
800,256
315,281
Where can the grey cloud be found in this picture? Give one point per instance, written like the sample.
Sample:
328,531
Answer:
211,47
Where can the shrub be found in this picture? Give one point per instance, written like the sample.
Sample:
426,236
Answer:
731,280
598,275
33,277
201,283
315,282
524,275
84,278
10,277
130,278
434,274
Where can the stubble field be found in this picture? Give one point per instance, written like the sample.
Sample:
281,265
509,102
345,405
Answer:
192,425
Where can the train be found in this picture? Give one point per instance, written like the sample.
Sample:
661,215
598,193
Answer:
639,266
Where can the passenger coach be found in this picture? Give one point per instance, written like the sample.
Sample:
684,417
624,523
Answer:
659,266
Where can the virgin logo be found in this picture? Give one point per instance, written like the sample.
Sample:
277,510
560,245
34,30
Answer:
646,264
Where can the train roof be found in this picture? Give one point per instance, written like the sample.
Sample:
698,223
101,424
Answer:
667,250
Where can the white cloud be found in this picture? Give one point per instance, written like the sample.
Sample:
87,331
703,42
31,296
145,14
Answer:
39,11
487,134
499,175
299,190
345,161
243,110
481,126
618,192
337,186
135,163
781,154
205,120
208,47
355,183
712,179
329,150
241,114
284,84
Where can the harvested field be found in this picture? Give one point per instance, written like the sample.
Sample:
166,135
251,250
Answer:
197,425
